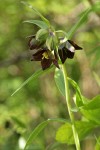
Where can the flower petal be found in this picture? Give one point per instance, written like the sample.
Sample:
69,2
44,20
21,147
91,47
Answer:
35,44
55,62
75,45
62,54
46,63
70,54
38,55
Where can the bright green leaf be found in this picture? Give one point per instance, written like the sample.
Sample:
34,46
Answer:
65,134
93,104
39,23
79,23
59,79
35,132
84,128
91,110
79,100
92,115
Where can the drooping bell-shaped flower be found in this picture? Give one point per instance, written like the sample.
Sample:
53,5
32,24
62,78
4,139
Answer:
46,57
67,50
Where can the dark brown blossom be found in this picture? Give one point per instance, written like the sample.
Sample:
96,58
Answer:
67,50
46,57
34,44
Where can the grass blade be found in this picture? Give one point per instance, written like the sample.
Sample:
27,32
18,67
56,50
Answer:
39,23
79,23
40,127
33,76
35,132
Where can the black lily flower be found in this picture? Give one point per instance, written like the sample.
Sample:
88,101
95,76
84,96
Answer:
34,44
46,57
67,50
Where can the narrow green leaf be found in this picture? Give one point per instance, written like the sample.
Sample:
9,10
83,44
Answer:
36,12
39,23
79,100
79,23
35,132
59,80
34,76
40,127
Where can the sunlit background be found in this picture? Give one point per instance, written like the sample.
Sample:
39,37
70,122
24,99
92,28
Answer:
40,98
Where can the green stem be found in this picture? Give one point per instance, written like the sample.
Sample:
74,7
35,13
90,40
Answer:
76,139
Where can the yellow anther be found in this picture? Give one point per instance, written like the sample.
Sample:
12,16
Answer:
45,55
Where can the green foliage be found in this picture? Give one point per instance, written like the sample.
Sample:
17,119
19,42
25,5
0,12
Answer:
65,134
59,79
34,76
38,98
39,23
79,23
91,110
39,128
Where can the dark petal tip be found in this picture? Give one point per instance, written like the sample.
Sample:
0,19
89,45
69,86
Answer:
75,45
55,62
62,54
70,54
46,63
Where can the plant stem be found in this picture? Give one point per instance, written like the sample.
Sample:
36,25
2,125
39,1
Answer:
76,139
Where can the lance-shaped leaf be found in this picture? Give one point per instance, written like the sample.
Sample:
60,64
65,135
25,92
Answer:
39,23
79,23
59,79
32,77
40,127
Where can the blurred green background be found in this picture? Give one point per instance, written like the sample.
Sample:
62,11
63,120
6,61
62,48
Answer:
40,98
